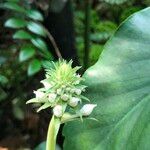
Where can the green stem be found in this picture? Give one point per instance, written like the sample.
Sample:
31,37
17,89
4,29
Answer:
52,133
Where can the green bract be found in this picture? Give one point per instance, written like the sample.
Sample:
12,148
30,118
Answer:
62,88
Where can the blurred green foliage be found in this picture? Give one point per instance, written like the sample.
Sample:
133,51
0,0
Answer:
106,15
23,50
27,23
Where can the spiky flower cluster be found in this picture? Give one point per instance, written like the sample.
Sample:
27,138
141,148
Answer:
62,88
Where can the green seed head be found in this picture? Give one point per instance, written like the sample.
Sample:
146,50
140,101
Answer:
62,88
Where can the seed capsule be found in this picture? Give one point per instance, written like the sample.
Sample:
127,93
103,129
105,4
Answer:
87,109
58,111
74,101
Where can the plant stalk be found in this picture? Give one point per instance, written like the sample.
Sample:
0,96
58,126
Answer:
54,44
52,40
52,133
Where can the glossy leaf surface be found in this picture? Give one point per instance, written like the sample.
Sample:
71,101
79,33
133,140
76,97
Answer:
120,84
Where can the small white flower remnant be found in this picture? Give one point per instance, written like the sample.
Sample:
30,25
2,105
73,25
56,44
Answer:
58,111
38,94
74,101
87,109
52,97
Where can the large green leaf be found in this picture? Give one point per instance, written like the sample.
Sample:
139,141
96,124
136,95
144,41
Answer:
120,84
115,1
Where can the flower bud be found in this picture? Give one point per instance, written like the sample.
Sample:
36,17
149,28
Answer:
65,97
78,91
87,109
74,101
59,91
52,97
39,94
58,111
46,84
